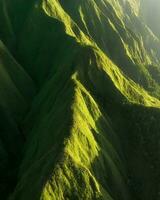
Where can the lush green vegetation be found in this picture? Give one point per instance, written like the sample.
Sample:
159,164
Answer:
79,101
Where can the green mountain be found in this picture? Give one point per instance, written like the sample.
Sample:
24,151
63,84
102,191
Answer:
79,100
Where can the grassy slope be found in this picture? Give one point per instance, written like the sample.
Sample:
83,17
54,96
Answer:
73,152
86,132
14,101
125,48
84,146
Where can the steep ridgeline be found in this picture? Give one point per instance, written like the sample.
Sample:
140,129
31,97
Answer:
91,129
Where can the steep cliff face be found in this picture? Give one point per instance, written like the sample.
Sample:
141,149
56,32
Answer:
79,101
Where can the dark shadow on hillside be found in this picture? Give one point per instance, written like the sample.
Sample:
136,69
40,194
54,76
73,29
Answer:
44,51
137,128
44,46
11,143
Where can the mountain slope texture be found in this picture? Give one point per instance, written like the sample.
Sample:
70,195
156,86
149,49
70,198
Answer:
79,100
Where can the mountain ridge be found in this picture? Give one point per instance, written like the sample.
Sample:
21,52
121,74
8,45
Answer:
94,103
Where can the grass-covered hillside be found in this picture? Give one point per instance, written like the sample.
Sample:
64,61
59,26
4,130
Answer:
79,101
